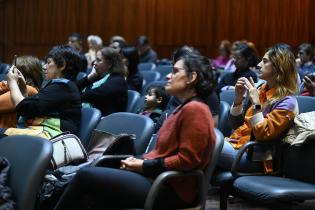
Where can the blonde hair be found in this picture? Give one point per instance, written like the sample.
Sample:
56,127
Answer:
284,65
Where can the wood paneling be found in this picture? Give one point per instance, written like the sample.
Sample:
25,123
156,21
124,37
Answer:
127,18
1,30
263,22
45,22
33,26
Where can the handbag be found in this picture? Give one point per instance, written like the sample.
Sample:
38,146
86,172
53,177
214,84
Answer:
67,149
104,143
6,197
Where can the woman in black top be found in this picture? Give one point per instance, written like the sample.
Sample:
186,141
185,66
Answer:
57,106
105,88
244,58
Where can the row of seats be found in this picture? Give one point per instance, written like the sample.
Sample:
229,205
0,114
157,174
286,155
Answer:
34,154
143,128
292,181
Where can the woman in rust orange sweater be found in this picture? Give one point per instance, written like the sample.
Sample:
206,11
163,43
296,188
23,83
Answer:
184,143
31,69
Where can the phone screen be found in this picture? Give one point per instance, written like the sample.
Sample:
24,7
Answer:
14,60
311,76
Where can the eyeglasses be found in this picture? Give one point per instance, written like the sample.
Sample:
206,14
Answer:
176,69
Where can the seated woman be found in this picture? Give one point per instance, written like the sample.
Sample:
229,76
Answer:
155,100
56,108
105,88
244,58
272,107
184,143
31,69
212,100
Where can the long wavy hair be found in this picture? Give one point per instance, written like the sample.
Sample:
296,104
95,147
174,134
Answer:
284,65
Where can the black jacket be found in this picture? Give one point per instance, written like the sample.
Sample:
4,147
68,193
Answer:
110,97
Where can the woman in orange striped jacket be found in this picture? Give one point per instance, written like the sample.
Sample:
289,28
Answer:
272,107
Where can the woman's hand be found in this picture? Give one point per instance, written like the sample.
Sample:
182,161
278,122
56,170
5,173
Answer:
309,84
132,164
92,75
16,83
12,75
252,90
239,91
15,76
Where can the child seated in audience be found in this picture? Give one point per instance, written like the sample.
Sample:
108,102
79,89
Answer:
155,100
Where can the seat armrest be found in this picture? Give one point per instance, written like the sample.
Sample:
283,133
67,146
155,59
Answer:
165,176
245,148
109,160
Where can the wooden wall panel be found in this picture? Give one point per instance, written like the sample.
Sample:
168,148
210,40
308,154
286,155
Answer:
127,18
33,26
43,22
180,22
263,22
2,21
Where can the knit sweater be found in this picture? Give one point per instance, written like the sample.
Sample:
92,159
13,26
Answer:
184,143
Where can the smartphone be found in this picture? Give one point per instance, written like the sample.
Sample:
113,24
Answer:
311,76
14,60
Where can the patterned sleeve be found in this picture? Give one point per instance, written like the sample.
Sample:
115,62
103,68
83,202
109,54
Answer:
276,122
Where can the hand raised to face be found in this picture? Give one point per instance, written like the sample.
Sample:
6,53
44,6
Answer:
309,84
251,89
13,74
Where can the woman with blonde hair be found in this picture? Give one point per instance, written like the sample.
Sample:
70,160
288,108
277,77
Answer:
31,69
271,110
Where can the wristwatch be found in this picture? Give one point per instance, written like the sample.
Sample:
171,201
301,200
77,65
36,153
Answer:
256,107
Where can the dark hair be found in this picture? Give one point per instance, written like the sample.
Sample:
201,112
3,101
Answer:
226,46
77,35
182,51
131,54
206,78
306,47
65,55
248,53
142,41
160,91
114,58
